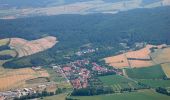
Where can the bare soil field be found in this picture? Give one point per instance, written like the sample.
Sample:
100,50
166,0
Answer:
140,58
166,69
16,78
25,48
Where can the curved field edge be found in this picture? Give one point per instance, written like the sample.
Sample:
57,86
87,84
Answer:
166,69
4,41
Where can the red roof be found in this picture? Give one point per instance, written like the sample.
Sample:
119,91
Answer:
67,68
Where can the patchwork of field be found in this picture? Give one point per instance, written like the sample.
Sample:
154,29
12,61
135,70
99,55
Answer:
118,82
16,78
20,47
142,95
25,48
152,72
166,69
141,58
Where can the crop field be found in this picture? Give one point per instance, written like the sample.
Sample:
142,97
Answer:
161,56
8,52
140,58
119,61
25,48
141,95
37,80
152,72
166,69
14,78
55,97
56,77
4,41
118,82
155,83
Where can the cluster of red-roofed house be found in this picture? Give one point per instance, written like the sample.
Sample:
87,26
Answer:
80,71
77,73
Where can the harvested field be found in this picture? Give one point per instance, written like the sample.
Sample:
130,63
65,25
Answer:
161,56
140,58
119,61
166,69
25,48
140,63
4,41
142,53
15,78
37,80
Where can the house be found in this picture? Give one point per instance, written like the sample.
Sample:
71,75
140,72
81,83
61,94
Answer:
36,67
66,69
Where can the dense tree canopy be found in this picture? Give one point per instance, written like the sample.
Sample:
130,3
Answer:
104,30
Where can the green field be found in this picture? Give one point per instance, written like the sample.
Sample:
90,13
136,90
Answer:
156,83
153,72
54,76
55,97
118,82
142,95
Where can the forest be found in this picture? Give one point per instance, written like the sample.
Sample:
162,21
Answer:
101,30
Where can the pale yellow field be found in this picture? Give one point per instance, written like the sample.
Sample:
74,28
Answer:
122,61
166,69
163,56
14,78
4,41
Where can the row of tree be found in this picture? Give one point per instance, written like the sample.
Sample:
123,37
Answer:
163,91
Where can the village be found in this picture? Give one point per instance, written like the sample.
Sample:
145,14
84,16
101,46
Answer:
76,73
80,71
